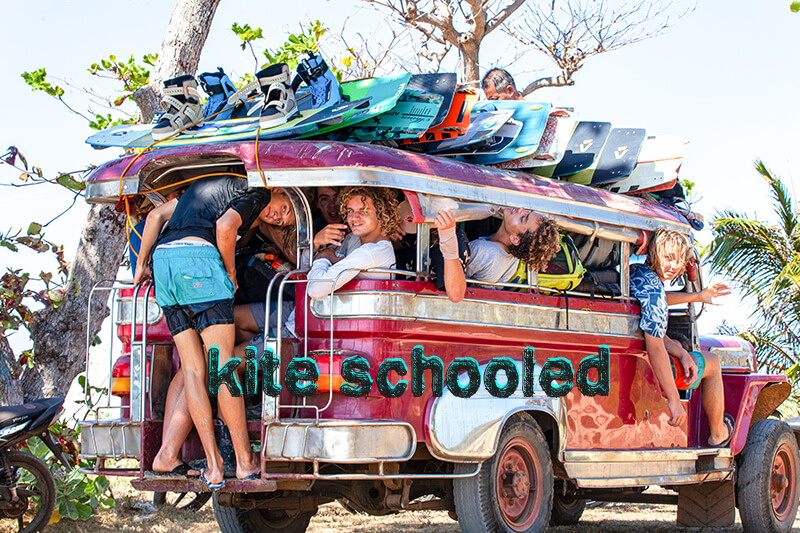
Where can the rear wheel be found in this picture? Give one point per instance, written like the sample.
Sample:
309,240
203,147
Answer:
513,492
767,483
35,489
232,520
567,510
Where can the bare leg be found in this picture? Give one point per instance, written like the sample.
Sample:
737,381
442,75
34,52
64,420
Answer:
195,375
246,326
232,407
714,399
177,425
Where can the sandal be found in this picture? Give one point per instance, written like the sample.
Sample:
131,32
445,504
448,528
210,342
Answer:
729,423
213,487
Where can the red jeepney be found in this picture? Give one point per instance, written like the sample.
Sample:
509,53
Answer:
515,463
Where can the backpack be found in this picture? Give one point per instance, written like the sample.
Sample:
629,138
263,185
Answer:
564,272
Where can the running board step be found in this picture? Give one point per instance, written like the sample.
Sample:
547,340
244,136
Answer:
639,468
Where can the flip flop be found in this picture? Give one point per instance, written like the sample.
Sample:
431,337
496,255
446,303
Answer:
255,475
180,470
730,423
213,487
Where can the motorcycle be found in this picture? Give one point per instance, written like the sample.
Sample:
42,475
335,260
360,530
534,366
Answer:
27,488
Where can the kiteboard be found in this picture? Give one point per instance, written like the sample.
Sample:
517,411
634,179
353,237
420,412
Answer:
617,157
534,119
560,125
482,125
498,142
455,124
582,150
416,111
383,94
658,166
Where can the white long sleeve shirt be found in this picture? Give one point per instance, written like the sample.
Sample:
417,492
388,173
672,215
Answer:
371,255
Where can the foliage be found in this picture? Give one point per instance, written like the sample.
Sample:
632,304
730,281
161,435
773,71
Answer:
795,7
133,76
763,260
78,497
292,49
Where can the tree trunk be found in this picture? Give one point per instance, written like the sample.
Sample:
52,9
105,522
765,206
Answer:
469,55
59,335
180,52
10,370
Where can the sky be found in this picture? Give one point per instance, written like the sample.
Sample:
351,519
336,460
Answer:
726,76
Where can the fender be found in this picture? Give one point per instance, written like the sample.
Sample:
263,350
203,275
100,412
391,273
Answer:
468,429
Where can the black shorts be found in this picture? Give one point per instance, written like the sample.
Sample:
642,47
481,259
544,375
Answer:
198,316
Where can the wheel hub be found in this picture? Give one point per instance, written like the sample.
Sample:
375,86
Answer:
516,483
781,490
14,509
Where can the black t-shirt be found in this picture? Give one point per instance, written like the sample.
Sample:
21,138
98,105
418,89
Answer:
208,199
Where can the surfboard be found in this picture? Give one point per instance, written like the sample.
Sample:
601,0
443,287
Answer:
482,125
658,166
416,110
553,144
533,116
582,150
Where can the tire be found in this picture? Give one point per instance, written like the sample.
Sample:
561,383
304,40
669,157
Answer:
28,473
566,510
767,481
522,464
189,501
232,520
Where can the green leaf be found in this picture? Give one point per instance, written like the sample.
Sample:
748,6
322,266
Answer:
795,7
34,228
66,180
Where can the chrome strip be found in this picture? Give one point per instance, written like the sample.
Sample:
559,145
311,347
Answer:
107,191
470,311
423,183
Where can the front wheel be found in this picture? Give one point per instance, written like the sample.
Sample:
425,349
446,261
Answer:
232,520
35,490
766,486
513,492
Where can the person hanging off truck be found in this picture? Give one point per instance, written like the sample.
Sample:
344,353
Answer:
667,255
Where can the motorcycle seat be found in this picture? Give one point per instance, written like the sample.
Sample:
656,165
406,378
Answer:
13,414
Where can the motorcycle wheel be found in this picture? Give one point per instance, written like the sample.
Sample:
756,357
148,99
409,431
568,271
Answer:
35,488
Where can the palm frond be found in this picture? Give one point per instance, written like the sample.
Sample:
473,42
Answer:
782,200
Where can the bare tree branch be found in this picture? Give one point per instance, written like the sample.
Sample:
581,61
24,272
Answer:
579,29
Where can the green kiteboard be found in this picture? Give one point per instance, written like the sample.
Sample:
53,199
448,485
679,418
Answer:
383,94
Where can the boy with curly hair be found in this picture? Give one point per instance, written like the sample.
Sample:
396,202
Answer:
371,214
524,235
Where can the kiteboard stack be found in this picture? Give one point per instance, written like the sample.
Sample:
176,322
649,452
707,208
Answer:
429,113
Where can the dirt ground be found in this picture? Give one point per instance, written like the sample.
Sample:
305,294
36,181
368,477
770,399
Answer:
613,518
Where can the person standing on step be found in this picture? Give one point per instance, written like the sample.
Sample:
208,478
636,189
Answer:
195,278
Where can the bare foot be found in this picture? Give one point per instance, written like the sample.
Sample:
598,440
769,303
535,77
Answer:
247,468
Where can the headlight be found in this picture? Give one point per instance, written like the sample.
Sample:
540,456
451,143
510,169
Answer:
125,311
